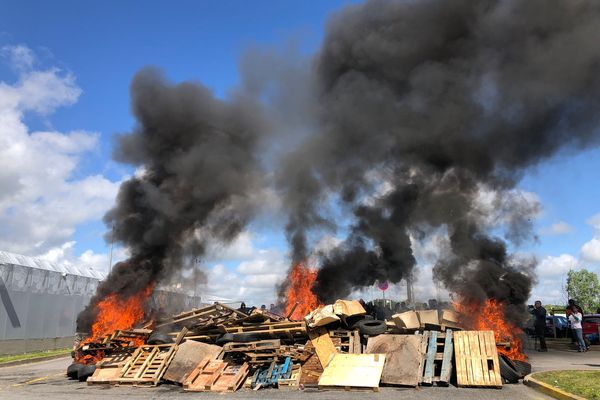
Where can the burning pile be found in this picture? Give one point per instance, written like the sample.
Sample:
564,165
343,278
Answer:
415,119
218,348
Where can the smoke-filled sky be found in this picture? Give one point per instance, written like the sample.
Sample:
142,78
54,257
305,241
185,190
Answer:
469,100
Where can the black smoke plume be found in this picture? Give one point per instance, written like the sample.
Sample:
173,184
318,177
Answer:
198,171
441,101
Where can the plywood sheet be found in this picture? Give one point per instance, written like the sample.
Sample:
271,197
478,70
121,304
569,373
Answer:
403,355
353,370
188,356
323,345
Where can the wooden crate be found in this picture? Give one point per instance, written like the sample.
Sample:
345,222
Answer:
476,359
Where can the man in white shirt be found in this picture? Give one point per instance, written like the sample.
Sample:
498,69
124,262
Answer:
575,318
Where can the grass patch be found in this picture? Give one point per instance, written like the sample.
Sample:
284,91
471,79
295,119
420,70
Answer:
30,356
582,383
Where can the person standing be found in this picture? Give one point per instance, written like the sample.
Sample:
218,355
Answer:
575,318
539,324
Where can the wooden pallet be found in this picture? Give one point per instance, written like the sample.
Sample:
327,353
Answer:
311,367
293,383
216,376
109,368
287,328
148,363
476,359
205,318
346,341
436,364
252,346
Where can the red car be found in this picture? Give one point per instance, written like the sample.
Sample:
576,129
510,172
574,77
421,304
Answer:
590,324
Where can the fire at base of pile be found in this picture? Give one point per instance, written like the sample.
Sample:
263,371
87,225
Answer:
218,348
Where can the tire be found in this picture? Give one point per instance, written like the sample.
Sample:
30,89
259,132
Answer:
159,338
522,367
508,371
85,372
73,370
224,339
355,319
371,327
246,337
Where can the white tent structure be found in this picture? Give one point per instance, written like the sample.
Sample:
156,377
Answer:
39,302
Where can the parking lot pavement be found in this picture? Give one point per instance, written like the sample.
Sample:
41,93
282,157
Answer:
564,359
46,381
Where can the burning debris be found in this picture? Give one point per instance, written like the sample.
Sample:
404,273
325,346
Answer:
218,348
421,119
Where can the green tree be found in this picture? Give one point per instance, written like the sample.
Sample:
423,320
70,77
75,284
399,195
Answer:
584,288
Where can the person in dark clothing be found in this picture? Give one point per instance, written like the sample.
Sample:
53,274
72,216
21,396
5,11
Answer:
539,324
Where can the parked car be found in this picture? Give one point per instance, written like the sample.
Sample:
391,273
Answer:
561,323
590,323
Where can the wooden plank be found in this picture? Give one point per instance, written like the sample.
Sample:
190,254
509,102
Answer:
356,344
423,350
446,371
353,371
402,360
323,345
431,350
253,346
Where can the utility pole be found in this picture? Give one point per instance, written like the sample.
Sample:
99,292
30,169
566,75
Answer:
112,240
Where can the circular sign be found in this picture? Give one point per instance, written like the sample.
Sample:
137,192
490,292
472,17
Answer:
383,286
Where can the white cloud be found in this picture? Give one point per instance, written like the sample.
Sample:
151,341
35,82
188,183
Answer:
557,228
254,280
595,222
41,203
65,255
590,251
555,266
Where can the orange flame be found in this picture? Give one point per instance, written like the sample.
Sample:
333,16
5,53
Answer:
301,279
491,316
115,313
118,313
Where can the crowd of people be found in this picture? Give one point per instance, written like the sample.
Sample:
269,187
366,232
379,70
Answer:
574,315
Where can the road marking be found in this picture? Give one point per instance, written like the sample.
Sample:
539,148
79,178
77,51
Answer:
41,378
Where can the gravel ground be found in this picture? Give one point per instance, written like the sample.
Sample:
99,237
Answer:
46,380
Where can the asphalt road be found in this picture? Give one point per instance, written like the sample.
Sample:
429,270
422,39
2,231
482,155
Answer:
46,380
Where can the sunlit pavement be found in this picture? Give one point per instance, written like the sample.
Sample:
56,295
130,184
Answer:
46,380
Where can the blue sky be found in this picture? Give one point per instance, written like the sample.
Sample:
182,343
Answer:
96,47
